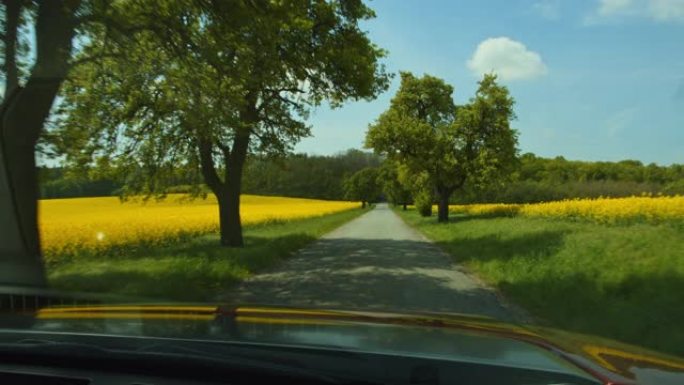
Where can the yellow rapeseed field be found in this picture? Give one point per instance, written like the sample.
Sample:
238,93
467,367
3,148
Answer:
604,210
68,225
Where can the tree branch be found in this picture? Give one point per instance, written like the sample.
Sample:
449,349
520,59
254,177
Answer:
12,14
92,58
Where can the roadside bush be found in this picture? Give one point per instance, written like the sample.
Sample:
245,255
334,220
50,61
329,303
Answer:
423,201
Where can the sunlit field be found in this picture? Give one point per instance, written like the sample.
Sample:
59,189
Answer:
608,267
71,225
607,210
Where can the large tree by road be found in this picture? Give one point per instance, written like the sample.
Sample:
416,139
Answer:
425,132
207,83
37,55
31,84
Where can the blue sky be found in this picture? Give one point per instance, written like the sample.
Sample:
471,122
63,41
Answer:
593,79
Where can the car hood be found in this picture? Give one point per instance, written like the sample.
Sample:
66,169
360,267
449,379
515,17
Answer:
428,335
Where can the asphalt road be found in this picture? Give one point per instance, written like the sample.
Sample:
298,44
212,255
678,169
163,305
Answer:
374,262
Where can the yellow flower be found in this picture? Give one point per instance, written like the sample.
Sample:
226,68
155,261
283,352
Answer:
100,223
604,210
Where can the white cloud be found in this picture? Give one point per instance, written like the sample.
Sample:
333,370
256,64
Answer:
548,9
666,10
508,58
657,10
611,7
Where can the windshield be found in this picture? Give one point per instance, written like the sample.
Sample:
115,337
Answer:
490,163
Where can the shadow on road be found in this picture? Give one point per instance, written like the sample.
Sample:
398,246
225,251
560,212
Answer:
378,274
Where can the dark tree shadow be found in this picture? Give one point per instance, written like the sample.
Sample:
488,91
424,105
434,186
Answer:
644,310
200,268
492,247
378,274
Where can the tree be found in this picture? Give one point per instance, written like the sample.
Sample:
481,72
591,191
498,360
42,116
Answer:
425,132
363,186
28,98
207,83
395,191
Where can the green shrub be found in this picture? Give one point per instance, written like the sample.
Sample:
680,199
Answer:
423,203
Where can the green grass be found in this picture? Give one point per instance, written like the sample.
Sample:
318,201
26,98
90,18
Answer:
624,282
197,269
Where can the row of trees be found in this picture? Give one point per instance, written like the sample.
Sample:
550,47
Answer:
306,176
554,179
295,175
438,151
533,179
560,170
537,179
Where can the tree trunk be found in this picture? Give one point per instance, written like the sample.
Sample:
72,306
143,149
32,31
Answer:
23,115
231,226
227,191
363,204
229,220
20,259
443,205
404,206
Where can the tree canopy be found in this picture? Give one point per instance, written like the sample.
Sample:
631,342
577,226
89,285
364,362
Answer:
429,135
203,84
392,187
363,186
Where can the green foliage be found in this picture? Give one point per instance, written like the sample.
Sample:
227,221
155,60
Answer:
624,282
559,170
296,175
489,144
427,134
363,186
309,176
424,200
675,188
538,179
417,130
200,84
306,176
420,187
394,190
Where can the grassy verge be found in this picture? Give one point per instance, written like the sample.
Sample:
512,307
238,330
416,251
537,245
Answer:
194,270
624,282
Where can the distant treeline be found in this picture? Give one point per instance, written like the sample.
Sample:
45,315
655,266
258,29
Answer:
306,176
299,175
314,176
544,179
56,182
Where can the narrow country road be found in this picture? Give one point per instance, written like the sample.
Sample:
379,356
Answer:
373,262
